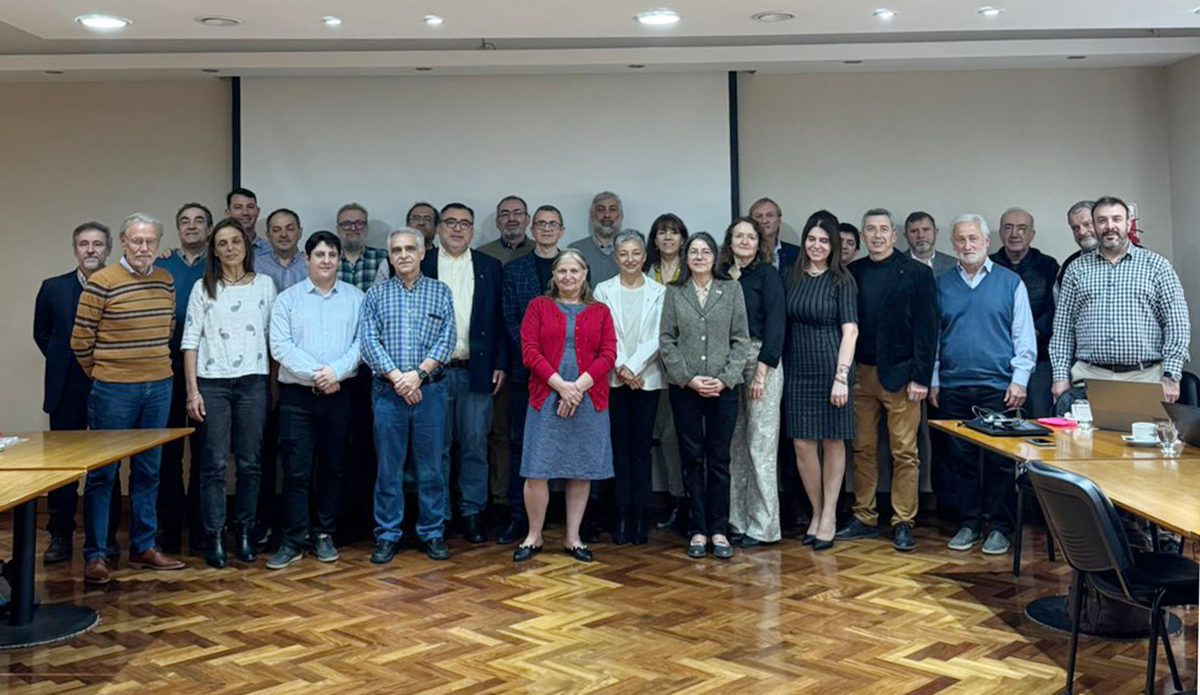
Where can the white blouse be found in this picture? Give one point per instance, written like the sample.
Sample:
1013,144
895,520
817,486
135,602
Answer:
229,333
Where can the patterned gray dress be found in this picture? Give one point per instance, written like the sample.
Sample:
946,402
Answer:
816,310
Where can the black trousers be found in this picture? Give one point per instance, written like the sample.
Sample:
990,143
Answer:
705,429
312,425
62,503
267,509
631,417
357,518
981,481
518,407
175,507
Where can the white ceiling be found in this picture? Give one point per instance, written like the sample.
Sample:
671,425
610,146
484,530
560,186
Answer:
389,36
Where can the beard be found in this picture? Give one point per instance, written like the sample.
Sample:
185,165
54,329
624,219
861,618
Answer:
1088,243
353,244
605,231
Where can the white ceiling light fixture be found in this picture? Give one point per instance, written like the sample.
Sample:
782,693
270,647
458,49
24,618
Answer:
331,21
434,20
218,21
773,16
103,22
989,11
1076,57
657,18
884,13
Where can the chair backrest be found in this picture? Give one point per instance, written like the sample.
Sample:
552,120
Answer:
1082,519
1189,389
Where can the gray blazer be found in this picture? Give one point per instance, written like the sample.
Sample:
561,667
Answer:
709,341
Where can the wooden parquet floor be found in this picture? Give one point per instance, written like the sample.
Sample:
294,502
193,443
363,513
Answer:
641,620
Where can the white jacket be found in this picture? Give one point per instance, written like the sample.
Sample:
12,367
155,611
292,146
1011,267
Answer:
637,352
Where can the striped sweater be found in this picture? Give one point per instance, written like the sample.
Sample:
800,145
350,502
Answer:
123,325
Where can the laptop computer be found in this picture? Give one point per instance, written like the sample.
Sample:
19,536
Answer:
1116,405
1187,421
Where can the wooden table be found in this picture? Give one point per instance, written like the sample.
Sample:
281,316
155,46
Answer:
28,469
1070,444
1166,491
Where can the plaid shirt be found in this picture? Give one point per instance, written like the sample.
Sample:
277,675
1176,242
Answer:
1122,313
401,327
361,273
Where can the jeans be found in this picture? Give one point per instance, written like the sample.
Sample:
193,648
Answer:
468,420
174,505
114,406
631,415
705,428
238,407
983,490
61,503
312,424
396,425
518,407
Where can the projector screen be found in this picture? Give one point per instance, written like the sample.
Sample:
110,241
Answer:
661,142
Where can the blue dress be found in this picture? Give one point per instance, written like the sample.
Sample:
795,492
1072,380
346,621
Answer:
577,447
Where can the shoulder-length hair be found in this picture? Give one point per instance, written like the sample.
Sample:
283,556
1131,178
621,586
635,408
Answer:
828,223
685,273
585,292
212,264
764,252
664,221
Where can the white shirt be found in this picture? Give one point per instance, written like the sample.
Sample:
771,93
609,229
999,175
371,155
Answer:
459,274
229,333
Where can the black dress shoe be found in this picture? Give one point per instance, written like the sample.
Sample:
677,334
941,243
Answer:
588,532
526,552
809,539
723,550
902,538
620,534
473,529
641,527
579,552
819,544
384,552
513,531
669,520
216,557
247,549
436,549
60,549
747,542
697,550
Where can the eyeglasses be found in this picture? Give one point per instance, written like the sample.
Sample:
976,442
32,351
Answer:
505,214
352,225
452,223
549,225
699,252
147,242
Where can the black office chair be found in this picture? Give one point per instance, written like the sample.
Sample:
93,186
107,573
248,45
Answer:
1024,490
1086,526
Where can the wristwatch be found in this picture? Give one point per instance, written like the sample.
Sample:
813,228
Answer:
422,374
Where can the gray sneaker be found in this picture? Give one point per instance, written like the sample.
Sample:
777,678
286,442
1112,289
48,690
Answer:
285,556
964,539
324,548
996,544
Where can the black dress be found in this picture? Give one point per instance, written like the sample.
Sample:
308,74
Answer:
816,310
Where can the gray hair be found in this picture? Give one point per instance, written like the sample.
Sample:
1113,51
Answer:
971,218
1024,212
878,212
93,226
1081,205
417,236
352,206
606,195
629,235
141,218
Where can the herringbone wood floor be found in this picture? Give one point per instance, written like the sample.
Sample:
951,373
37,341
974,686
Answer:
640,620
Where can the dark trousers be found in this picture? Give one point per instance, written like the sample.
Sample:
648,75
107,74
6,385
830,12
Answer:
175,507
518,407
632,421
312,424
982,482
358,484
233,407
267,505
705,429
72,414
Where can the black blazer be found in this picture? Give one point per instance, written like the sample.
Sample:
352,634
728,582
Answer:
53,320
788,253
486,338
907,334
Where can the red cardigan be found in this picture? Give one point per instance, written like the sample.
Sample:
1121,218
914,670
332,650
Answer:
543,335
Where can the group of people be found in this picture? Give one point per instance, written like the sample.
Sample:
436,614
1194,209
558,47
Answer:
372,371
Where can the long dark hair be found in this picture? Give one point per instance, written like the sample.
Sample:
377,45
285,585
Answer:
685,273
212,264
764,252
665,221
828,223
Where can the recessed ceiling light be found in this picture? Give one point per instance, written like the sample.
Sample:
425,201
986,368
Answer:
884,13
331,21
1076,57
852,62
423,69
636,66
53,72
209,70
104,22
773,16
989,11
657,18
219,21
434,20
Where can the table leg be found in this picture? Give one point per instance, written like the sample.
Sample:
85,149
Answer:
28,625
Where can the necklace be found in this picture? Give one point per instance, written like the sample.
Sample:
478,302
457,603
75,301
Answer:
235,281
815,273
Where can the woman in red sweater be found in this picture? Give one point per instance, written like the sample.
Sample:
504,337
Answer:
569,345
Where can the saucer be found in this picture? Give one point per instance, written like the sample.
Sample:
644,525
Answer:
1128,439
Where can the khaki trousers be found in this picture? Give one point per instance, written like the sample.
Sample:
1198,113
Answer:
1083,370
871,401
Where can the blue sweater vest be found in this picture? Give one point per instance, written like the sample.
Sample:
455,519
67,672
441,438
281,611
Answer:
976,346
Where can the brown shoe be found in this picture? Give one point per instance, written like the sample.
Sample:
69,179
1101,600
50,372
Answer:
96,571
154,559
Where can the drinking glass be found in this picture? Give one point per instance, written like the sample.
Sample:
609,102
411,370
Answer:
1168,434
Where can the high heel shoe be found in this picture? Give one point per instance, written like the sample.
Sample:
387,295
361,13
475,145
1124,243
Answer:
819,544
809,539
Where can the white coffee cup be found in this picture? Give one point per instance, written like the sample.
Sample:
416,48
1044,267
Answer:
1081,411
1144,432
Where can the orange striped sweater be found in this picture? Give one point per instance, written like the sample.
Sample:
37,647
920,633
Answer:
123,325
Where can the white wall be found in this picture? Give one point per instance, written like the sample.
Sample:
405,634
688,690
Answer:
1183,80
954,142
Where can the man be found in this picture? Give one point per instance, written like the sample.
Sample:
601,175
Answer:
897,342
769,216
1037,271
512,219
284,264
359,263
524,279
314,338
477,361
1121,313
66,385
194,223
920,231
422,217
986,353
1079,219
605,221
848,234
122,337
242,205
407,332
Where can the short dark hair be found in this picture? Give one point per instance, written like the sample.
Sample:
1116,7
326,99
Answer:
847,228
456,206
437,218
95,226
1109,200
239,191
198,206
917,217
323,237
517,198
284,211
549,208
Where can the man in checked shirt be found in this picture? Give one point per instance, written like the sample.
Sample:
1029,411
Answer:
1121,313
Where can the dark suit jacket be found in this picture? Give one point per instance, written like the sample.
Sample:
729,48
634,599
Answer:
53,319
788,253
485,337
520,287
907,334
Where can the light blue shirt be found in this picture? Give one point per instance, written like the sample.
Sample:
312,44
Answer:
284,275
1024,338
310,330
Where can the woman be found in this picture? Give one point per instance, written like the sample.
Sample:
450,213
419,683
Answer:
822,328
667,235
704,343
753,474
635,301
569,346
225,364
